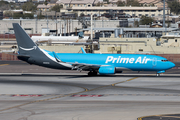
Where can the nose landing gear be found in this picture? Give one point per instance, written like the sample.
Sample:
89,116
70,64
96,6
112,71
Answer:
157,74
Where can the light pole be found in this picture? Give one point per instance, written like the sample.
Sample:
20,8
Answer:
36,23
60,27
47,22
91,26
92,32
164,14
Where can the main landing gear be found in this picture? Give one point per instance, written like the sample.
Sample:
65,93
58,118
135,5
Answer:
92,73
157,74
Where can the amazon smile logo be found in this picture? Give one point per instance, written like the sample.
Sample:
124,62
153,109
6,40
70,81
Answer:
28,49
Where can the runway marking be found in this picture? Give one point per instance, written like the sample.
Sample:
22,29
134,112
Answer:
86,95
112,84
124,81
71,94
4,64
85,90
40,101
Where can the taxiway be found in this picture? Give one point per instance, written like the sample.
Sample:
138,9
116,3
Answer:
36,93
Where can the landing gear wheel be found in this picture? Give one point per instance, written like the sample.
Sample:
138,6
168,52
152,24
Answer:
92,73
157,74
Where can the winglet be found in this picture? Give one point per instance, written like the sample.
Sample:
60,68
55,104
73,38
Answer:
83,50
56,57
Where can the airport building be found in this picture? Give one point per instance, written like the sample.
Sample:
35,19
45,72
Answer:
34,26
138,40
132,11
111,39
148,8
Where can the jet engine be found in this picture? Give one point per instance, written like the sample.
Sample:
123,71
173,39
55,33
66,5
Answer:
107,70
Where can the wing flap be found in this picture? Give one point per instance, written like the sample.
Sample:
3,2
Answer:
84,66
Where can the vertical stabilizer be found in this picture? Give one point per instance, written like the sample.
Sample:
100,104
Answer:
32,54
25,43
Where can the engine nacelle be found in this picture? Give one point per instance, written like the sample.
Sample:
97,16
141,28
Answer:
107,70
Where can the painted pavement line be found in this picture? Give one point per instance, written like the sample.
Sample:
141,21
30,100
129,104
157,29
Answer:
4,64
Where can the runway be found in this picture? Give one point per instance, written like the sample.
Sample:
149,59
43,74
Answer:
43,94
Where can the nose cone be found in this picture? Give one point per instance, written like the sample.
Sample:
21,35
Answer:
171,65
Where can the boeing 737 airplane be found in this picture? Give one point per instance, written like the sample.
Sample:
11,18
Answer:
94,63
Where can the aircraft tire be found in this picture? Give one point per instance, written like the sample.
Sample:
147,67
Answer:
92,73
157,74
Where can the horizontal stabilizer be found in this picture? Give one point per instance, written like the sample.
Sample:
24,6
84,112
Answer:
18,55
23,57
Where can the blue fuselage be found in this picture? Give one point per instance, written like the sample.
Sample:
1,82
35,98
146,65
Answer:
135,62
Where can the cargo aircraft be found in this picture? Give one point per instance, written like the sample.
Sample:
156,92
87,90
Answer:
94,63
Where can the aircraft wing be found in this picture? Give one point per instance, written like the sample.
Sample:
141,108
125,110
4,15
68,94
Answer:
84,66
78,66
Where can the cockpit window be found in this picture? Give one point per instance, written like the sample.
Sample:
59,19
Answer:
164,60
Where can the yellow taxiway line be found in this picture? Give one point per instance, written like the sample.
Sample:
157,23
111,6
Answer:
4,64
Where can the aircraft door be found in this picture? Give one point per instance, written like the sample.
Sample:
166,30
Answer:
154,62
